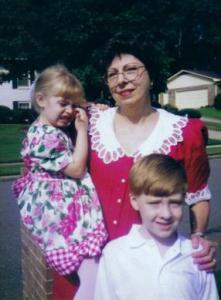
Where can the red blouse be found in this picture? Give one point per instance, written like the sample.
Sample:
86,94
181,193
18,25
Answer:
176,136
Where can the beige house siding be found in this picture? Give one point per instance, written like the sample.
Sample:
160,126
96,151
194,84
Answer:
187,81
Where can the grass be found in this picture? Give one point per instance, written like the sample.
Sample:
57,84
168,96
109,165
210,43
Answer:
10,170
11,136
210,112
213,126
214,151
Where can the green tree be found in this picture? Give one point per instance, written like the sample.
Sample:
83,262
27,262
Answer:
38,33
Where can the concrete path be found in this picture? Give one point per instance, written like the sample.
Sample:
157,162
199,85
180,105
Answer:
215,120
216,135
213,134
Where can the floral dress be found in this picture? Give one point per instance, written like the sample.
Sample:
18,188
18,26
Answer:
62,213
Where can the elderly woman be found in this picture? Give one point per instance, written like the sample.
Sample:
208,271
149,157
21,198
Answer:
121,135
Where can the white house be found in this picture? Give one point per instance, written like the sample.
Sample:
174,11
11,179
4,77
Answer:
15,93
191,89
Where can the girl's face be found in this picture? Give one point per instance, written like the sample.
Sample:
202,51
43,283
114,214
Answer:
55,110
128,80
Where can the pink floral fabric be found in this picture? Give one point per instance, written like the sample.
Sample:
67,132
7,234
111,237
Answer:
62,214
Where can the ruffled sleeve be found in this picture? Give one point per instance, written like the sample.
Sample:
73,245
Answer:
50,148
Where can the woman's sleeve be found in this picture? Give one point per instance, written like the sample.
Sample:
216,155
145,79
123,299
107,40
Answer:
196,161
51,150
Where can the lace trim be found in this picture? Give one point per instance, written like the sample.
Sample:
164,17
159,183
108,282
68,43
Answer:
193,198
104,142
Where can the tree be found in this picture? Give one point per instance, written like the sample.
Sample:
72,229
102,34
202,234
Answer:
38,33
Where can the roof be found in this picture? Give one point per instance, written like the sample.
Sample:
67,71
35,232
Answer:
206,74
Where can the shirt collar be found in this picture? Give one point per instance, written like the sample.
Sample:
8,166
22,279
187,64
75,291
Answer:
136,240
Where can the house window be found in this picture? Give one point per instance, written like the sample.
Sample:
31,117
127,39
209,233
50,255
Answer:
23,81
23,105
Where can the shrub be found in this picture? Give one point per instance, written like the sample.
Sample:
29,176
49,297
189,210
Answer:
217,102
6,115
16,116
190,113
23,116
171,108
156,104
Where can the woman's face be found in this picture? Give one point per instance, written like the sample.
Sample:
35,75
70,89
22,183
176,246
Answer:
128,80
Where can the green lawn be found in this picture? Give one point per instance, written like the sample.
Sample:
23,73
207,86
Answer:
213,126
10,170
214,150
210,112
11,136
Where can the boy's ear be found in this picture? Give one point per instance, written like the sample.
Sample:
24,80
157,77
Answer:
133,201
40,99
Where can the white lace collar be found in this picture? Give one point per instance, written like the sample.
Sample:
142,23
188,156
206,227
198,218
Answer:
167,133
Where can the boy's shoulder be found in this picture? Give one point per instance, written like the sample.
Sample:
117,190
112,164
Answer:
116,244
129,241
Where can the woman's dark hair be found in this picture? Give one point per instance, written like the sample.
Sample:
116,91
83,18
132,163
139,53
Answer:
126,43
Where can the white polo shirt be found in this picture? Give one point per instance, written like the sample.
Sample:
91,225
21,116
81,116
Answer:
131,268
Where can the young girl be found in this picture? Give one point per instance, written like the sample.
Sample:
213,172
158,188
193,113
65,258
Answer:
56,197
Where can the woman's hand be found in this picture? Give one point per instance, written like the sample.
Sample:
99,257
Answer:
204,258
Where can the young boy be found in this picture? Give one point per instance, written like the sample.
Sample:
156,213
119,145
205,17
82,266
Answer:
154,260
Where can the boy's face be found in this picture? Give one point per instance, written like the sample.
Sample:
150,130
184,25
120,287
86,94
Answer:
160,215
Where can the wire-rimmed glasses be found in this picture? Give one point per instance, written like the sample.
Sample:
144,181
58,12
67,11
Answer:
130,73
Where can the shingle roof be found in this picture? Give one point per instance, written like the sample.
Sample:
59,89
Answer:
212,75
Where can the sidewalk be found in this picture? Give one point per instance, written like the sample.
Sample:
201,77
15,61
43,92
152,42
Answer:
214,120
213,134
216,135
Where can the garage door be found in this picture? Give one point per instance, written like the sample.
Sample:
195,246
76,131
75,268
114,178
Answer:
191,99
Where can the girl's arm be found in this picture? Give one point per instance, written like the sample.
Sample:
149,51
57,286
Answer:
76,168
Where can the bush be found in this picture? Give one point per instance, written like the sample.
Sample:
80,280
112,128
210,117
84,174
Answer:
156,104
171,108
6,115
23,116
16,116
190,113
217,102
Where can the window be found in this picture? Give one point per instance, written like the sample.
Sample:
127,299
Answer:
23,81
24,105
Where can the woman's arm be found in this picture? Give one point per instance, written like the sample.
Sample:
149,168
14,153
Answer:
199,215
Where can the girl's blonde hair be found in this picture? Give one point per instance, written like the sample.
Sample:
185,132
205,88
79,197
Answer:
57,81
157,175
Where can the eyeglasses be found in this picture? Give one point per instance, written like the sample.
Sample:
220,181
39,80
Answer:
130,73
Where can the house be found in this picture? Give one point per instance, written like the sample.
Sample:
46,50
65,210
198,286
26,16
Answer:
15,93
191,89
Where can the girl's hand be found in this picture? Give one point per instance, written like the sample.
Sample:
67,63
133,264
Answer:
81,119
204,258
